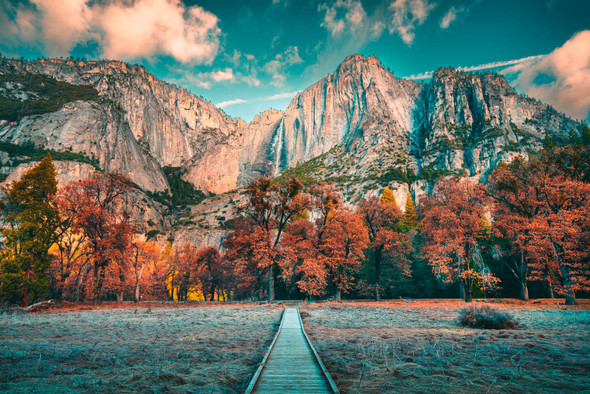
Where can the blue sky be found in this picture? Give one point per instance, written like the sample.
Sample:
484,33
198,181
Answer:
251,56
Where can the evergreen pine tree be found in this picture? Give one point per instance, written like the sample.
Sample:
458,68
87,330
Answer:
410,221
387,196
33,219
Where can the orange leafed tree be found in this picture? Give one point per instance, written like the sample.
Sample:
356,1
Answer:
328,251
544,208
211,272
388,246
92,208
271,206
453,224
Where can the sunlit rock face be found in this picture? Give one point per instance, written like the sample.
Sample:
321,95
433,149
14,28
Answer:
140,125
358,124
363,128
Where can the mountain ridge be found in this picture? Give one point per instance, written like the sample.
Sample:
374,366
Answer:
456,122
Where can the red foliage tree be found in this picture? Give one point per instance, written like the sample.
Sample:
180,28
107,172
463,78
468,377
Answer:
543,207
388,246
210,272
270,207
250,255
92,209
327,251
144,255
454,224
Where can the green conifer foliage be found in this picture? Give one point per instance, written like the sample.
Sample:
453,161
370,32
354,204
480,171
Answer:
33,218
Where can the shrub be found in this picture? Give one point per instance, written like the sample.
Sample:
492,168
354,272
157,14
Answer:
486,317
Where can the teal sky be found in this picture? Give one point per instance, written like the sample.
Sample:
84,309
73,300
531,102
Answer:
251,56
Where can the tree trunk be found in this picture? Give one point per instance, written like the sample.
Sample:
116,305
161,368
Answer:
271,284
120,297
136,298
571,300
465,290
338,295
377,274
524,290
461,288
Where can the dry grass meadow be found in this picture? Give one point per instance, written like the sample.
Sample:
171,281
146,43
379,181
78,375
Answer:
417,347
146,348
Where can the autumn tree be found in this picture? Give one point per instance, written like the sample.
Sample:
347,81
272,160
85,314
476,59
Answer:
93,207
250,255
342,241
542,206
32,218
143,254
387,197
304,264
410,220
388,247
270,207
210,272
453,223
327,251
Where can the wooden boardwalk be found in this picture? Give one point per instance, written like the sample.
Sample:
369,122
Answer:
291,364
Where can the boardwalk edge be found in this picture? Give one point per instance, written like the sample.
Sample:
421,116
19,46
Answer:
317,358
263,362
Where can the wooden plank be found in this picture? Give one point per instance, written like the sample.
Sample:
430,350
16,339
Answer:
291,364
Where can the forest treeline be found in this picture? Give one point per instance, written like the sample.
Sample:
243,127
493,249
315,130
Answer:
524,232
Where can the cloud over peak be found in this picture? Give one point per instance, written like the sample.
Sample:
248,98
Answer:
122,29
561,78
407,15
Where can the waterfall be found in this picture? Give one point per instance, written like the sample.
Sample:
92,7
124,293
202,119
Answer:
277,147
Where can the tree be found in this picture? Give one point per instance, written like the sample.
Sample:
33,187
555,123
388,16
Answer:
304,264
453,223
210,272
410,221
33,219
250,255
271,207
143,254
388,246
327,251
93,207
342,241
387,196
546,201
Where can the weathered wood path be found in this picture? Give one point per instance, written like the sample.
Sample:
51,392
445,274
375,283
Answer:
291,364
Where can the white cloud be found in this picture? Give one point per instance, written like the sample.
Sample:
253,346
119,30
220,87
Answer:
343,15
274,97
222,75
276,68
282,96
227,103
485,66
450,17
561,78
407,15
123,29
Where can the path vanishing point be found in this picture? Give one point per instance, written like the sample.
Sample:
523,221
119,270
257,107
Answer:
291,364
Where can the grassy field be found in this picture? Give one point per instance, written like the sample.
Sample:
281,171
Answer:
419,347
212,349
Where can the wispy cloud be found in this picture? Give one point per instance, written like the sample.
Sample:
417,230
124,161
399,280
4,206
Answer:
121,29
407,15
485,66
227,103
342,15
281,96
274,97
